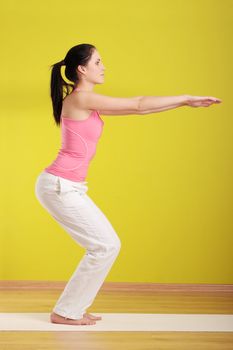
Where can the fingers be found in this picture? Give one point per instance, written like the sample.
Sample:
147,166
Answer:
214,99
206,99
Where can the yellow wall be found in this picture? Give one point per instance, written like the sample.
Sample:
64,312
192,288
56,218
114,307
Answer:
164,180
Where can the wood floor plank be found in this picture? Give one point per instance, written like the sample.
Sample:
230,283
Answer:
119,301
115,340
115,301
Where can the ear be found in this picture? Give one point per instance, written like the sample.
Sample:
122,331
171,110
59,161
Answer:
81,69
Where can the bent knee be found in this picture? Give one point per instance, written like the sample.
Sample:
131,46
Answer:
112,247
116,246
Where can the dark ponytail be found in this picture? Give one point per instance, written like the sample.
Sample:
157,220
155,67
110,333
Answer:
77,55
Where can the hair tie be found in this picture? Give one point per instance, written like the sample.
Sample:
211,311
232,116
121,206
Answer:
62,62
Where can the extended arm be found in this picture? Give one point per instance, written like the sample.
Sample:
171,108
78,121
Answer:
138,104
154,104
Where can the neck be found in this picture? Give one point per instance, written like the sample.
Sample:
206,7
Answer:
84,87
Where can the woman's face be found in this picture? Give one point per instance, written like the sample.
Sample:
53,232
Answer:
94,71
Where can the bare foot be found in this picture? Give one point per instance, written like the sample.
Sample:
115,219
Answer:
55,318
92,317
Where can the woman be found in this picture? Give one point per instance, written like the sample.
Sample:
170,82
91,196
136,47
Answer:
61,187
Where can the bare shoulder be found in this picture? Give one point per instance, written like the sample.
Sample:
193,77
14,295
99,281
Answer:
71,108
78,98
89,100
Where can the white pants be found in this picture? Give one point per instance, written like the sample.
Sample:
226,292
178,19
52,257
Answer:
75,211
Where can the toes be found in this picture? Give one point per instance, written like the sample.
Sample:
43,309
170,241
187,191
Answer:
91,322
92,317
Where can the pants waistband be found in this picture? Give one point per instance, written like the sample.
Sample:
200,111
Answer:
66,184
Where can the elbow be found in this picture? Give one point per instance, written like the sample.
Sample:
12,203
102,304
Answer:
140,109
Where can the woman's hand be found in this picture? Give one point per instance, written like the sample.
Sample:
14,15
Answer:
201,101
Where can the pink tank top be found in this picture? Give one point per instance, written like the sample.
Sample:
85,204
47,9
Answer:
79,142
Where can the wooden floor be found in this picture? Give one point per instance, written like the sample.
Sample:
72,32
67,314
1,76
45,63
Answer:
120,301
